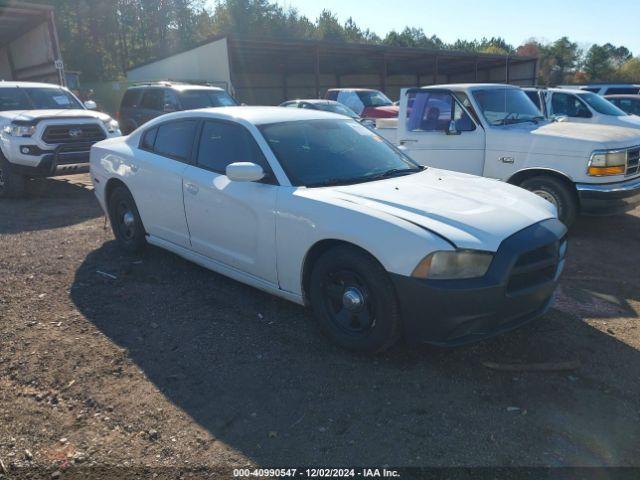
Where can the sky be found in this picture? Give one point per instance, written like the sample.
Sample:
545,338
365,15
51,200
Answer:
583,21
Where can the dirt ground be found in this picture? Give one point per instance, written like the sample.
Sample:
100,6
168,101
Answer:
151,364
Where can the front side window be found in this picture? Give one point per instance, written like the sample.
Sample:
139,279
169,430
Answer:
131,98
352,101
506,106
316,153
224,143
601,105
628,105
434,111
175,139
153,99
535,98
192,99
569,105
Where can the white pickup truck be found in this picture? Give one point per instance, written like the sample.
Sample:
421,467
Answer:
495,131
45,131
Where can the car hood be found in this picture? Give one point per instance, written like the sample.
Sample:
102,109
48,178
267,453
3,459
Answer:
471,212
37,115
561,138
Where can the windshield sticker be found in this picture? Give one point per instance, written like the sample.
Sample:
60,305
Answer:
61,100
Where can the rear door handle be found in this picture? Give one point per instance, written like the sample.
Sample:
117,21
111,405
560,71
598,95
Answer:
192,188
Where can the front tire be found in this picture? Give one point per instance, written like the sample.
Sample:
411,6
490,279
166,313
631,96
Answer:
354,301
125,220
556,192
12,184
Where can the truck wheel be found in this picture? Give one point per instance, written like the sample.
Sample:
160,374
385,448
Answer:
125,220
354,300
555,192
11,184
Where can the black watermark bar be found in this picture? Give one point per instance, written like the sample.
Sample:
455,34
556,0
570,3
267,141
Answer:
403,473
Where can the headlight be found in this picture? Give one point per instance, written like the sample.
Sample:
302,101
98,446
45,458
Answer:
19,130
608,163
111,125
449,265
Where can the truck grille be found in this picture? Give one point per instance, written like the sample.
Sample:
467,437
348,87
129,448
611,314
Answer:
57,134
536,267
633,157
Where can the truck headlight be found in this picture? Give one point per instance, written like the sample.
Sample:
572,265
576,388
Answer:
608,163
457,264
111,125
19,130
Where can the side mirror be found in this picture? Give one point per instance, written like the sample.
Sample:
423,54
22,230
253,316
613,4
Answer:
452,129
244,172
90,105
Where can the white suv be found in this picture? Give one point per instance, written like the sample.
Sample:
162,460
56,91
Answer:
45,131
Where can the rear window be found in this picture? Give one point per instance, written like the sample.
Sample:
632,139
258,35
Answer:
192,99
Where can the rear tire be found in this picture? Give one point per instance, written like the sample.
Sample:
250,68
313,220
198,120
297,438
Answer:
125,220
12,184
354,300
556,192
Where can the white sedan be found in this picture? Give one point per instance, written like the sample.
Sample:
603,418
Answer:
318,209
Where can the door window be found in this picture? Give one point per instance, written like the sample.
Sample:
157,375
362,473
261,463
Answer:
351,100
171,103
223,143
153,99
569,105
434,111
175,139
131,98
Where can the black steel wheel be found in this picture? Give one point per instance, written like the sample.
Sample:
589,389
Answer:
354,300
125,220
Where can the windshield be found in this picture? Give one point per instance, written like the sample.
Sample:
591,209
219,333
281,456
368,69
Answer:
37,99
506,106
601,105
192,99
374,99
317,153
336,108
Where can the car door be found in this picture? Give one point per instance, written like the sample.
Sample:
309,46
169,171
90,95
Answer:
231,222
156,179
424,130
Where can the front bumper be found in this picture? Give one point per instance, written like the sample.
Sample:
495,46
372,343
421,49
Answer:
64,160
609,198
517,288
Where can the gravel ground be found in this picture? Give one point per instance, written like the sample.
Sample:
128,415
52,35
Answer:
149,364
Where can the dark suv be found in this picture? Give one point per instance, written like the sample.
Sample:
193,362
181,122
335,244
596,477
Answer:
143,102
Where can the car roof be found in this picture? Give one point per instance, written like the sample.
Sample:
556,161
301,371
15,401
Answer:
352,90
315,101
4,84
253,115
630,96
176,86
471,86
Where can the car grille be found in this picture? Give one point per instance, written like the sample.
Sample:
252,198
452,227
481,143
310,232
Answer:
57,134
633,157
536,267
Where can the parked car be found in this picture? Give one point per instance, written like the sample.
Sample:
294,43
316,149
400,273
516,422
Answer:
366,102
580,106
628,103
144,102
45,131
494,130
607,88
318,209
327,106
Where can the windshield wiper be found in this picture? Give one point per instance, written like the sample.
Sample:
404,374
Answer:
346,181
393,172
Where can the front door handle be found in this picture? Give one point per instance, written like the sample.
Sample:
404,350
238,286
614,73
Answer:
192,188
507,159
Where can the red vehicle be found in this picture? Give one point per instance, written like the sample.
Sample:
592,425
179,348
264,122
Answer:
367,103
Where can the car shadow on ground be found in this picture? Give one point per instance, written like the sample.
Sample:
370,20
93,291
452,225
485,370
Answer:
255,372
49,203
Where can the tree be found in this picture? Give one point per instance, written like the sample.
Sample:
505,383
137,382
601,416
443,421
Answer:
630,71
560,60
598,65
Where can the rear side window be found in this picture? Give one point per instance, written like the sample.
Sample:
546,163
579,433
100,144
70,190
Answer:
224,143
153,99
331,95
131,98
175,139
149,139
